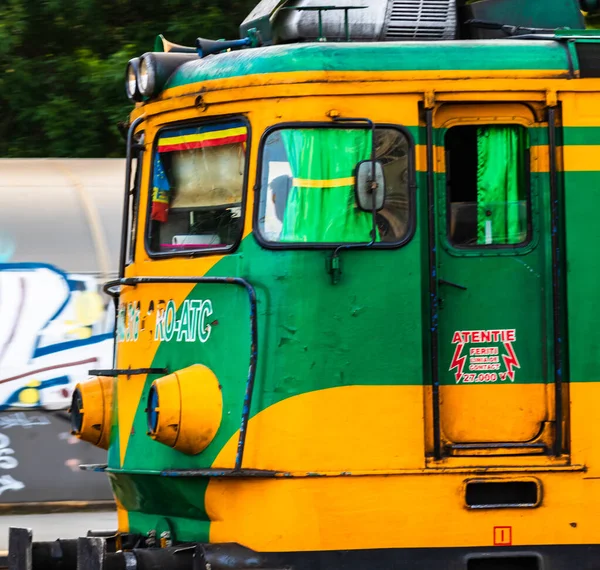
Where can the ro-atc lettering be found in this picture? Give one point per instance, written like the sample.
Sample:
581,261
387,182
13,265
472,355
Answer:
192,324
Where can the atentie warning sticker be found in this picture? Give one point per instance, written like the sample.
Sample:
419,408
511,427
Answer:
484,356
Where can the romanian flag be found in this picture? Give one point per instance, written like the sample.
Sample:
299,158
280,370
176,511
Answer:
189,139
160,193
202,137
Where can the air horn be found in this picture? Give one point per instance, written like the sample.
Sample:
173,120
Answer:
206,47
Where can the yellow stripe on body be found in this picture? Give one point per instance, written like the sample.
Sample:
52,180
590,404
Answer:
581,158
332,183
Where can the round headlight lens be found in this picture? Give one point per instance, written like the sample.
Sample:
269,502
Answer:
131,81
152,410
146,76
76,412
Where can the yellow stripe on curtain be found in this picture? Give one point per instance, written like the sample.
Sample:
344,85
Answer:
333,183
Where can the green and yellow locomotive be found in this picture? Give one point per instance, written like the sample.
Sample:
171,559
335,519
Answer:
358,302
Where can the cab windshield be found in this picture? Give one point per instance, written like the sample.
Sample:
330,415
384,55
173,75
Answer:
197,188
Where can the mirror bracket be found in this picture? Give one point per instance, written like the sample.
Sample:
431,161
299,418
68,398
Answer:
333,265
333,262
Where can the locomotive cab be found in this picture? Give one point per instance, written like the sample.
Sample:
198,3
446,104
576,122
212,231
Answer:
350,320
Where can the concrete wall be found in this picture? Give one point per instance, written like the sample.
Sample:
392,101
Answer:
60,228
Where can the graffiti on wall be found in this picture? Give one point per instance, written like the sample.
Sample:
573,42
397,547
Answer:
8,461
54,327
33,438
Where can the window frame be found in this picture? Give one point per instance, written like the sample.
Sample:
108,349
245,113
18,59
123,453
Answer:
530,193
528,196
199,252
340,124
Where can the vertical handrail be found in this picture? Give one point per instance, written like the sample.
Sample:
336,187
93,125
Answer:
239,457
433,289
125,217
556,284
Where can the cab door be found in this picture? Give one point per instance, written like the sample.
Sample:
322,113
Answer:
494,281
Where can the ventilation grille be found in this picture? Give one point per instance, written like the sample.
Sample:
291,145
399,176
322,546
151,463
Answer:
485,494
421,20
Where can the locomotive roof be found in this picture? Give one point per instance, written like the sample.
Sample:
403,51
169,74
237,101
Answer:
483,55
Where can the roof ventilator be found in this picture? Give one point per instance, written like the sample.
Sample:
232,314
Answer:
280,22
420,20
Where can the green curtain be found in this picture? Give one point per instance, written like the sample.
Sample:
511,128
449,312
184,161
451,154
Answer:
501,183
321,205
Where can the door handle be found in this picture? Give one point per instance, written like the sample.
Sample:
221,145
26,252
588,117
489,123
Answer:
450,284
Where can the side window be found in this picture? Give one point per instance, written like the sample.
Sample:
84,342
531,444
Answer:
307,186
198,175
487,177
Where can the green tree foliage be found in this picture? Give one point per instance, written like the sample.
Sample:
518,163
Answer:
62,66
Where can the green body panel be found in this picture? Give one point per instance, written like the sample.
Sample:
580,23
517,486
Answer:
307,346
164,504
387,56
580,136
582,195
532,13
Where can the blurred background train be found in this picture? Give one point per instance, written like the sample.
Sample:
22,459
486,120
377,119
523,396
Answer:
60,223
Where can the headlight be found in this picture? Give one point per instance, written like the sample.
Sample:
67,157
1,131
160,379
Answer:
146,75
76,411
91,410
152,412
131,80
185,408
155,69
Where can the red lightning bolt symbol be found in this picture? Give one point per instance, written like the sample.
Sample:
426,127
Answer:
510,360
458,363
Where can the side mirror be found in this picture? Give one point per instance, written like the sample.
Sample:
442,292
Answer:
369,191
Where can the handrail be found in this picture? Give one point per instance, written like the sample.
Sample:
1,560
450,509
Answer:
125,218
